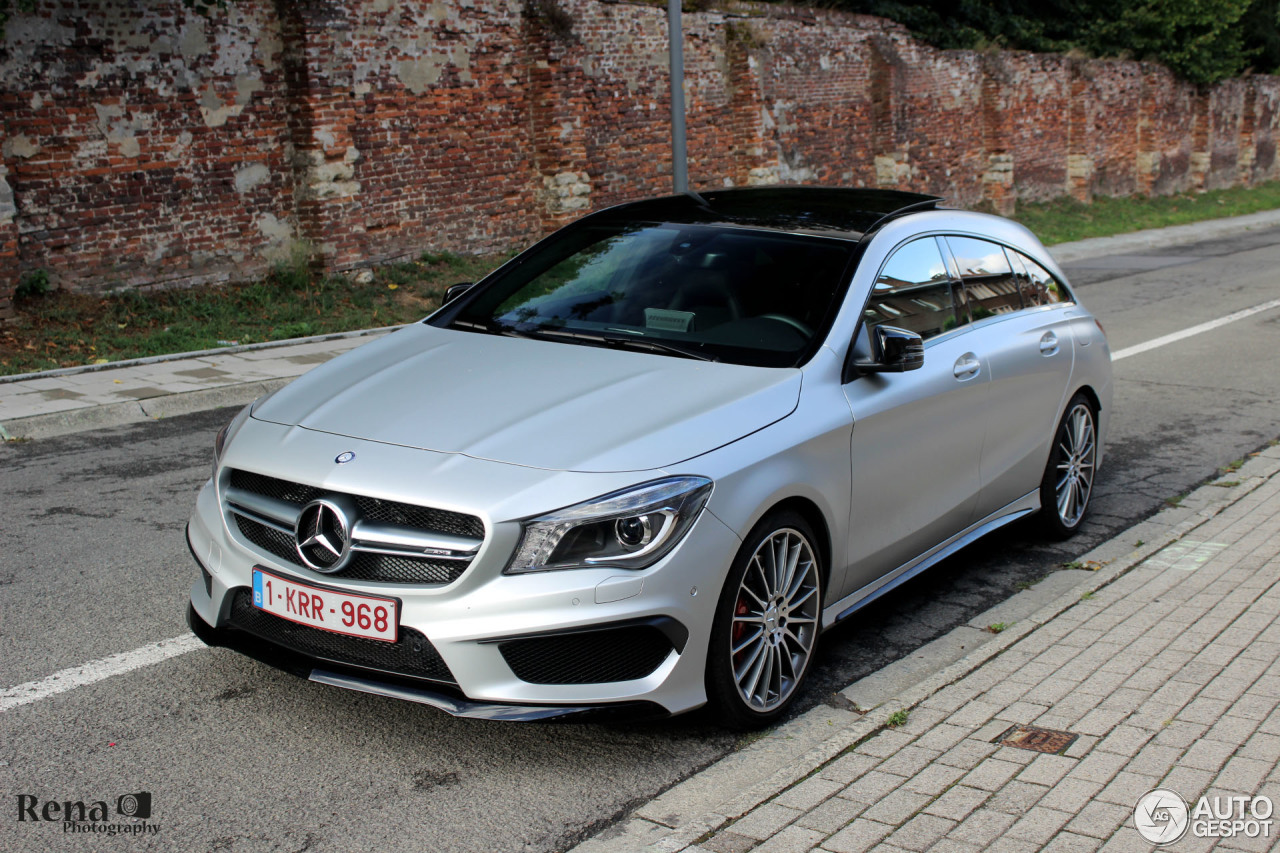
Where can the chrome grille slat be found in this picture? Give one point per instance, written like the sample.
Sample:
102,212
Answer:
281,515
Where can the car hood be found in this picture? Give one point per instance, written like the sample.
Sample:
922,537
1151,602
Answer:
542,404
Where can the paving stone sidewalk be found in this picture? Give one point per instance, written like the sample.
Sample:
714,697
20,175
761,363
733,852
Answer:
1166,676
91,397
63,401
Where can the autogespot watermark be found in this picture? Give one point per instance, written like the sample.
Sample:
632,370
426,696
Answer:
131,816
1162,817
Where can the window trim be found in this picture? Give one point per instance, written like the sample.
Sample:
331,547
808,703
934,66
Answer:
953,275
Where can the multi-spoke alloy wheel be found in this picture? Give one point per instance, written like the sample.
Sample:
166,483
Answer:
767,627
1068,479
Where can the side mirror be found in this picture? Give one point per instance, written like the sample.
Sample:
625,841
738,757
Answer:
891,350
456,290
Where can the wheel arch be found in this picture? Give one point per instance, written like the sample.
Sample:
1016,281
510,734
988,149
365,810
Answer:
809,511
1092,395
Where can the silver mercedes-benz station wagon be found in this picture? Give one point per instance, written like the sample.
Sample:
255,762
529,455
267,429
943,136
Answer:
646,463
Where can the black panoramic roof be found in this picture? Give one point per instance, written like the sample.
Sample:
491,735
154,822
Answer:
839,212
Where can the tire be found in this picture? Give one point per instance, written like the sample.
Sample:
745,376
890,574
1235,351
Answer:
1068,478
766,627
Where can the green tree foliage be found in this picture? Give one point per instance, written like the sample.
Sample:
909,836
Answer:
1201,40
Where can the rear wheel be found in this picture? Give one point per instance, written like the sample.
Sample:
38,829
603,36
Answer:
1067,484
766,626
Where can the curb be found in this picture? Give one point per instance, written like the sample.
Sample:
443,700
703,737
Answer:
150,409
118,414
713,798
201,353
1161,238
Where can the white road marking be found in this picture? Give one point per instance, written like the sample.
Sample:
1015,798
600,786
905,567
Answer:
97,670
88,673
1155,343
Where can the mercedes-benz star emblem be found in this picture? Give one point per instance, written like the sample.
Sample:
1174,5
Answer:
323,536
344,458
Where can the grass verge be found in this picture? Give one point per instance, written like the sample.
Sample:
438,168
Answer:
62,329
1065,219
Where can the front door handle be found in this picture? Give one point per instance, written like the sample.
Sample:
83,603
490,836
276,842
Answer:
967,366
1049,344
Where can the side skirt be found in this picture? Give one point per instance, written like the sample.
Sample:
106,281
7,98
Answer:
846,606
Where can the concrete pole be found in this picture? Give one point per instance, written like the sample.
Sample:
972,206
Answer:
679,154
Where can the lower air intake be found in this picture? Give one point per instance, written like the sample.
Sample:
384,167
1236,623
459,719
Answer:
590,657
412,655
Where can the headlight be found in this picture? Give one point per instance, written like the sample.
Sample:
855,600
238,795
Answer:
628,529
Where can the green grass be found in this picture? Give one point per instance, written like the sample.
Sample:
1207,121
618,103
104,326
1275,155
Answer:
1065,219
897,718
58,329
61,329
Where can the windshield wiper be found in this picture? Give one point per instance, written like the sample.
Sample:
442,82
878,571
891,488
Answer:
645,344
489,328
543,333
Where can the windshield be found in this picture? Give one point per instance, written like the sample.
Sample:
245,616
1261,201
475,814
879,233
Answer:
703,291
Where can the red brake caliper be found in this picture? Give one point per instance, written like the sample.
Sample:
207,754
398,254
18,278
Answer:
739,628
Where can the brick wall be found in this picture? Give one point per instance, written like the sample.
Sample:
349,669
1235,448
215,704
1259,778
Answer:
149,146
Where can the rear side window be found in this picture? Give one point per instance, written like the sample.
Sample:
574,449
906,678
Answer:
990,286
1037,285
914,291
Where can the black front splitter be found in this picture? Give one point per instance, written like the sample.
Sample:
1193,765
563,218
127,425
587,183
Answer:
381,684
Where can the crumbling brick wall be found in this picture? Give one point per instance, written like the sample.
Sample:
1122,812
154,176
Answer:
144,145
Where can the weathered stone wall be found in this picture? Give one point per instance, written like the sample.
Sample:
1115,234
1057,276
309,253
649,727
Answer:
144,145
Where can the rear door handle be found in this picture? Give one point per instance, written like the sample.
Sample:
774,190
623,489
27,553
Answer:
1049,344
967,366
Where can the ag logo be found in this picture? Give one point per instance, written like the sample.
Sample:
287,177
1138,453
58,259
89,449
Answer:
1161,816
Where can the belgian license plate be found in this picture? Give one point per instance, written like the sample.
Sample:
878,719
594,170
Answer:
340,612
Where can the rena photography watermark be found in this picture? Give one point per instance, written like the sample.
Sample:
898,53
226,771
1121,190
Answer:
130,816
1162,817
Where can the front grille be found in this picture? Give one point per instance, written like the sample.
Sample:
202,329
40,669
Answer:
364,565
389,568
412,655
268,539
372,509
590,657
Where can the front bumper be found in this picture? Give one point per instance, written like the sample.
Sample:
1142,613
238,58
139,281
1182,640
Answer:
384,684
477,624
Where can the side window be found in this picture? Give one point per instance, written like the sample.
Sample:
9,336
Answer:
990,286
913,291
1037,285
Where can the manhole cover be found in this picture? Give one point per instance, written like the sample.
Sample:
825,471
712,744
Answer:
1036,739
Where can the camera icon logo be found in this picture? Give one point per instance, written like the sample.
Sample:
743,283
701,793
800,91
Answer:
134,805
1161,816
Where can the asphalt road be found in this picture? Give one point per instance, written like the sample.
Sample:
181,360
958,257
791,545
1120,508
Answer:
240,757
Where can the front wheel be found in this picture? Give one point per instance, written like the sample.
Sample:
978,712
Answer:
1068,477
766,625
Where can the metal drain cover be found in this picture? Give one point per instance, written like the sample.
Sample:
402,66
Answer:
1036,739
